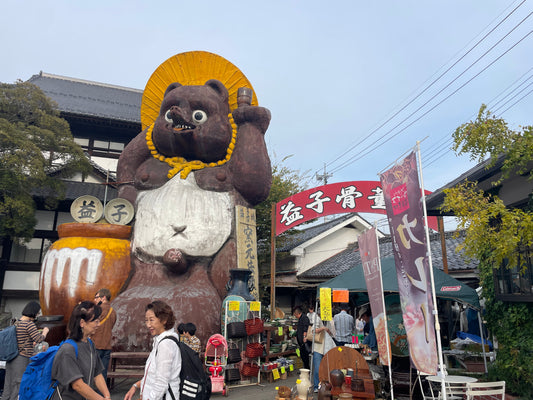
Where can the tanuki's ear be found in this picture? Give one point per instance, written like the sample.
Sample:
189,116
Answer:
172,86
218,87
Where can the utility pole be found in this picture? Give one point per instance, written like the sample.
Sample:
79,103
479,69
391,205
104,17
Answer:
324,177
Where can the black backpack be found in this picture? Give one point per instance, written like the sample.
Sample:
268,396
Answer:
195,383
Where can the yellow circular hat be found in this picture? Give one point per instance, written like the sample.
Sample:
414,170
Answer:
190,68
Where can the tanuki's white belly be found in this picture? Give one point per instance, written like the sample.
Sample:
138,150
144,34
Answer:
180,215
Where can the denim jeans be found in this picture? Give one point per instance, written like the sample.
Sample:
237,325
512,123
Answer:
104,355
317,357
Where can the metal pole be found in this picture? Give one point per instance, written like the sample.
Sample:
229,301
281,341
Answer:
435,308
482,340
389,349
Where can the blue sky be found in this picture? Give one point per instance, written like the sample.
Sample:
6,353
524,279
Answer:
330,72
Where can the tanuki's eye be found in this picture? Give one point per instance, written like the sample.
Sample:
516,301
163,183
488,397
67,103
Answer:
199,117
167,117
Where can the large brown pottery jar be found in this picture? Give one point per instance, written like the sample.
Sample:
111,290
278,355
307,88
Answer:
86,258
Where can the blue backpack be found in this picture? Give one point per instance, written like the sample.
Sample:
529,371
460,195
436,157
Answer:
37,383
9,348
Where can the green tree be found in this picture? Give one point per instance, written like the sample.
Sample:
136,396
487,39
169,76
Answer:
36,150
494,233
285,183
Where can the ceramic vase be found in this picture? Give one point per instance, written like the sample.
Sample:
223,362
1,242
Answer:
238,290
304,384
86,258
239,283
336,378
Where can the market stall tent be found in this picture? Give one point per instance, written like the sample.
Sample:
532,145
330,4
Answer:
446,287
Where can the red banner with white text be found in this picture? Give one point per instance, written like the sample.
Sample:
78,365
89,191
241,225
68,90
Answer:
403,202
335,198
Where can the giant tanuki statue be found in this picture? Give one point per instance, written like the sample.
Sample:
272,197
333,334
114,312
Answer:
203,155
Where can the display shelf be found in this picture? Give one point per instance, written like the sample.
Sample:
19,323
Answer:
239,311
269,331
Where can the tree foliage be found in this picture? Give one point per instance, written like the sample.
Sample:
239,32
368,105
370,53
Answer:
285,183
487,221
494,233
483,215
491,136
36,148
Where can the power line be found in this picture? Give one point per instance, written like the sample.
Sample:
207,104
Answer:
437,153
429,86
355,157
500,107
516,102
511,85
427,164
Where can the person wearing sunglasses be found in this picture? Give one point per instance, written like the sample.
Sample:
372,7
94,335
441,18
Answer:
102,336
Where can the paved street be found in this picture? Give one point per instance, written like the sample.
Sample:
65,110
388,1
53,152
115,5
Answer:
264,391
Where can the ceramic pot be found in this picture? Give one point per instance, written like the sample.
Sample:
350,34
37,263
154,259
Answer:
86,258
239,283
345,396
57,328
304,384
336,378
238,290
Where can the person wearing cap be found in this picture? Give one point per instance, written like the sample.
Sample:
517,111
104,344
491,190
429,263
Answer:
102,337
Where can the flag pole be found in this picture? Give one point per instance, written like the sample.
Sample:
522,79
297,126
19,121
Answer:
273,262
387,338
435,308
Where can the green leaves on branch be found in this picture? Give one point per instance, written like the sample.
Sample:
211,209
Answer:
484,217
36,148
488,224
489,136
494,233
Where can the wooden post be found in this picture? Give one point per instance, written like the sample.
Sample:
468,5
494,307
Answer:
440,223
273,261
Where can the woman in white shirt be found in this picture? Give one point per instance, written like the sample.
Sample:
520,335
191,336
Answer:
320,349
163,367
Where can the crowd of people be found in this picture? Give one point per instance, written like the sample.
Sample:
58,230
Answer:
336,332
80,364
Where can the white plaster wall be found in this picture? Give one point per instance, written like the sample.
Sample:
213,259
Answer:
322,249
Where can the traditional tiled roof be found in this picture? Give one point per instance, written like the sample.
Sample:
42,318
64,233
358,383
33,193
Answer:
73,190
351,257
293,240
77,96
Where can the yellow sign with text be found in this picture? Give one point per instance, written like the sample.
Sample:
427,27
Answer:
326,313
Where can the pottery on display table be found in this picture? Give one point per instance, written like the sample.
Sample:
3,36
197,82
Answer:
336,378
